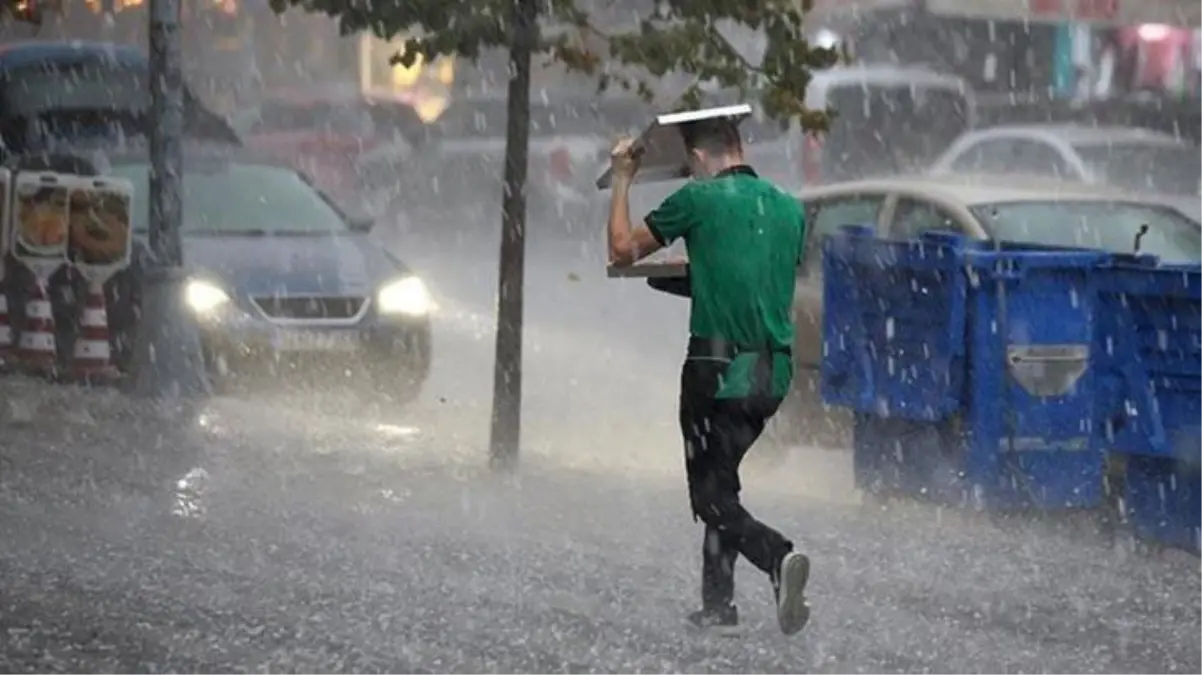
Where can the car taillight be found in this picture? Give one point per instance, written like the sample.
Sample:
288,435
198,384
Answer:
561,164
811,160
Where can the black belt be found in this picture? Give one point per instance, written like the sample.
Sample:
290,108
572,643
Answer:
717,348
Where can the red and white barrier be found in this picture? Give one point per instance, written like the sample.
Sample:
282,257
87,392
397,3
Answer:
49,220
92,355
6,328
37,349
97,202
37,238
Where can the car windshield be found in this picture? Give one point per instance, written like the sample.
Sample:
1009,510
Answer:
231,198
1108,226
1141,166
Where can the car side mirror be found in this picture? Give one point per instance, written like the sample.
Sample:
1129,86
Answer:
1139,237
361,224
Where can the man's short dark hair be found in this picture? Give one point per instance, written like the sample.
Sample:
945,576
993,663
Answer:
718,136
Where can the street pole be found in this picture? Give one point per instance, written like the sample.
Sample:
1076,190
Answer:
167,363
505,434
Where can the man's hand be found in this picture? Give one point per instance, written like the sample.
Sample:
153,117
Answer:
624,159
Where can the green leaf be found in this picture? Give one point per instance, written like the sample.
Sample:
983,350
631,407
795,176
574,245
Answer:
677,37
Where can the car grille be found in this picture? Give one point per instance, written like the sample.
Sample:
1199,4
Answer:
309,307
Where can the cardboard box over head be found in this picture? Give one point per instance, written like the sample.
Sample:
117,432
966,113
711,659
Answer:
665,158
662,144
100,239
39,221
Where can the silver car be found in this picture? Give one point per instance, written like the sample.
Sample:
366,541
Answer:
1149,162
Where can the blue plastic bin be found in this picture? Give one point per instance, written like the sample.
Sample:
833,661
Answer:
1149,357
893,313
967,367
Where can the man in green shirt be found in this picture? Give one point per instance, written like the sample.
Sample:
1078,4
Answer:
744,239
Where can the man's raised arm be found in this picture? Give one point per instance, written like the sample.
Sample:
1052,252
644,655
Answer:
627,243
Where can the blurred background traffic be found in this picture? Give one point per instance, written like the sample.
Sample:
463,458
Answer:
292,84
299,132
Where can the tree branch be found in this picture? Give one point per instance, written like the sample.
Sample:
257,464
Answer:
679,37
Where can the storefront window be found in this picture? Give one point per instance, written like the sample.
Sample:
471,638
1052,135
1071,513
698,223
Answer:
1148,57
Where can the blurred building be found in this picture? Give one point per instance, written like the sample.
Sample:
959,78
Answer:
1026,49
235,50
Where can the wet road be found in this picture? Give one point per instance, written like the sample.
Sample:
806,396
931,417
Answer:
301,532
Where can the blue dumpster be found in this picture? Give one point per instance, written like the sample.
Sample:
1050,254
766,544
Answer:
967,368
1148,356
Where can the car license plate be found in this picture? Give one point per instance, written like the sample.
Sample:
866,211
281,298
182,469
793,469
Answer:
316,341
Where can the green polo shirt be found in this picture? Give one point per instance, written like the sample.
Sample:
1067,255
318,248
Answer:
744,238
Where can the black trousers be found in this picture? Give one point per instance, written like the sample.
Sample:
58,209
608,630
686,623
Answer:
717,434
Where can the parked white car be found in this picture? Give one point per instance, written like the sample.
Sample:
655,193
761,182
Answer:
1139,160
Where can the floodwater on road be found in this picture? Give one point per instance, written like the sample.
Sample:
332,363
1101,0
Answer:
305,531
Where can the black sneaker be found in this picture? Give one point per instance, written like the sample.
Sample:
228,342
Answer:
722,620
792,612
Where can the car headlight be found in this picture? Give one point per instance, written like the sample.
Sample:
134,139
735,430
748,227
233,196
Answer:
203,297
406,296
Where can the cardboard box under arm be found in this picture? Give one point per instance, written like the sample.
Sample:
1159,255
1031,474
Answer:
674,269
670,262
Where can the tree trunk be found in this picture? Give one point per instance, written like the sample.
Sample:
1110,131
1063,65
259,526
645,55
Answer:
505,436
166,132
167,360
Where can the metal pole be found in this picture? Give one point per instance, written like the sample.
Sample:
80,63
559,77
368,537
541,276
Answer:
505,434
167,363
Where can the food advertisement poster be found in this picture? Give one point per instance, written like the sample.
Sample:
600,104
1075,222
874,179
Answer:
99,216
39,236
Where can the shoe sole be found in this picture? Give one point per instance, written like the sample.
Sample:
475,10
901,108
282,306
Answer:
792,611
720,631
